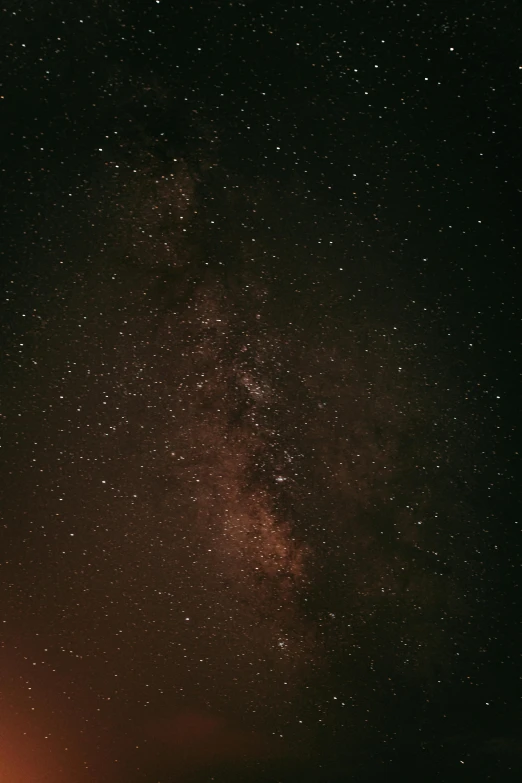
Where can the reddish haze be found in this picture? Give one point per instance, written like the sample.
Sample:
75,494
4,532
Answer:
193,740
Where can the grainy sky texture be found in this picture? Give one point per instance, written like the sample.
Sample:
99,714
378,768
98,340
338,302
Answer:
260,382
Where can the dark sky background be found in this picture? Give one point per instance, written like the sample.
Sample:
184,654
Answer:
260,387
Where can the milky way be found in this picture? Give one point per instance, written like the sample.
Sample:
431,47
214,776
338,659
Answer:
253,493
248,484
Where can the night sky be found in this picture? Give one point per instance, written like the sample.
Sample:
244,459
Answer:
260,385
